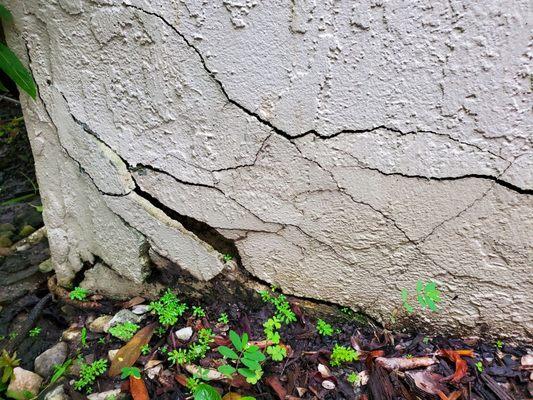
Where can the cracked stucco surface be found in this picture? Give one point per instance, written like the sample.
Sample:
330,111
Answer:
348,149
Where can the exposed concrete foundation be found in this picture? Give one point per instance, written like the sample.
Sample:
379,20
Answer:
347,149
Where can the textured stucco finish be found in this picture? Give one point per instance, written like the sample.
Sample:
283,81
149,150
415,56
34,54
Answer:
348,149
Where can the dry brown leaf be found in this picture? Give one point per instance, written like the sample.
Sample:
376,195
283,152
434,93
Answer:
232,396
401,364
130,352
276,385
138,389
426,381
133,302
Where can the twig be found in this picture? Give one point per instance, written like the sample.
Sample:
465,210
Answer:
9,99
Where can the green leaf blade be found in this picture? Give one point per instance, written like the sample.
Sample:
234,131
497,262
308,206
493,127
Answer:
228,353
13,68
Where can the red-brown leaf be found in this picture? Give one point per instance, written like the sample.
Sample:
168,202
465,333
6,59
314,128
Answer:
128,354
274,382
138,389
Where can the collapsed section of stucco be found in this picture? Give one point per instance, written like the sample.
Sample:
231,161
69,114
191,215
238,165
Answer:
348,150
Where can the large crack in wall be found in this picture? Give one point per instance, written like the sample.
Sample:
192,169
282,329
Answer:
152,132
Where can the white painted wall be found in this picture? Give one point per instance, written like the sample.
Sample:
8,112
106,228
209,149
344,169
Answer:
348,148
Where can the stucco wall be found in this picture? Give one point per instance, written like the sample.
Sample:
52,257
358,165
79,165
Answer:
347,148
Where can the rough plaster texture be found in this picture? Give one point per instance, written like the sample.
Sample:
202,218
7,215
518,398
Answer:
348,149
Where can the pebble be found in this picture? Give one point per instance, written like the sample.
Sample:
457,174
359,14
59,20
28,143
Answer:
121,317
111,354
140,309
57,394
527,361
72,334
184,333
105,395
99,324
24,380
44,363
327,384
46,266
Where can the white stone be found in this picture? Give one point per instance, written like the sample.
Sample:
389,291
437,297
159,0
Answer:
57,394
140,309
100,323
184,333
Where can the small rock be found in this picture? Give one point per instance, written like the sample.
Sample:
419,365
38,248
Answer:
72,334
527,361
57,394
23,381
44,363
140,309
184,333
121,317
151,373
111,354
99,324
106,395
327,384
46,266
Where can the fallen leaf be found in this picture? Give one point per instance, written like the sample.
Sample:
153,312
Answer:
324,371
182,379
426,381
133,302
128,354
391,364
276,385
232,396
207,374
454,396
138,389
460,364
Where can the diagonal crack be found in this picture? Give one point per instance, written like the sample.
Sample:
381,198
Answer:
313,132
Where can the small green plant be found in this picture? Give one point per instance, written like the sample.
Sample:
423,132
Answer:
499,344
168,308
425,340
8,364
323,328
277,352
178,356
192,384
89,373
353,378
124,331
160,331
83,337
35,331
198,312
342,354
227,257
242,354
408,356
479,366
101,340
60,370
13,335
223,318
79,293
203,391
145,349
283,308
196,351
126,372
427,296
11,65
271,326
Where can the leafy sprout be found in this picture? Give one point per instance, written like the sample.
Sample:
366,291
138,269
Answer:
168,308
79,294
223,318
8,364
323,328
124,331
35,331
126,372
89,373
242,353
342,354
